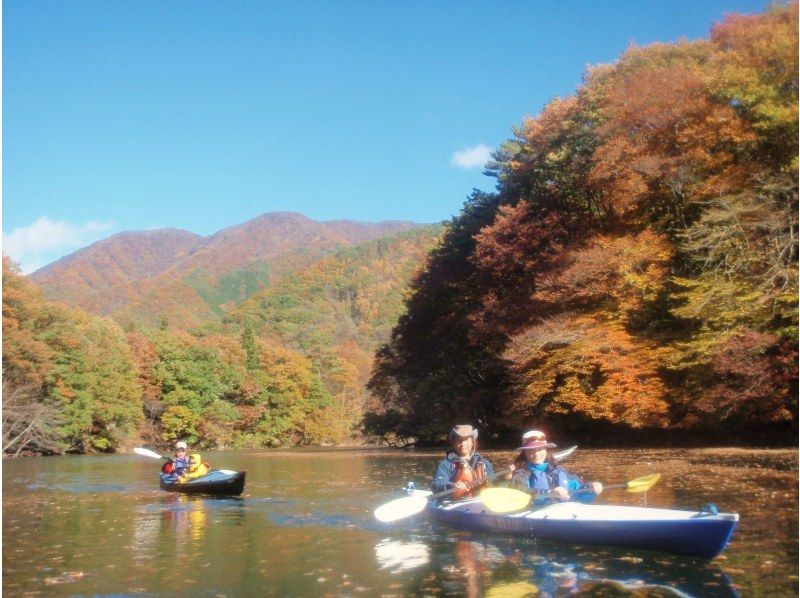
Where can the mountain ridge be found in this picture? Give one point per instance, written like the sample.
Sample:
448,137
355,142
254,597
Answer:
111,275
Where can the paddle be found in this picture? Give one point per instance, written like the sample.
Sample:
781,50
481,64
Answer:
507,500
561,455
148,453
401,508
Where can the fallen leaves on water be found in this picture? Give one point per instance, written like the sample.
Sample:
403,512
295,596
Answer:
631,559
67,577
593,567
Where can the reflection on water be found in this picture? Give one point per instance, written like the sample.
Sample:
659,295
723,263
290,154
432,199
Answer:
146,530
179,522
99,525
398,556
471,562
528,568
186,519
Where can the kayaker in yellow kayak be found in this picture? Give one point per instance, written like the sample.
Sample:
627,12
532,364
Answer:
196,469
535,470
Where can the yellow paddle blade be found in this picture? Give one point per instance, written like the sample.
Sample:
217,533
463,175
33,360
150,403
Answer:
642,484
505,500
520,589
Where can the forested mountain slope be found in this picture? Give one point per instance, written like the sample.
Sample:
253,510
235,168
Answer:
288,367
147,277
105,275
634,276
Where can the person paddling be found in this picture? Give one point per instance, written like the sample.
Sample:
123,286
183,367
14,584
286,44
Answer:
535,470
176,465
464,469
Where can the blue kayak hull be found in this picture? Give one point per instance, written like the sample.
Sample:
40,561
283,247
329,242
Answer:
215,482
696,534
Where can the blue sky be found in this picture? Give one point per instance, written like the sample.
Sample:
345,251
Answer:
200,115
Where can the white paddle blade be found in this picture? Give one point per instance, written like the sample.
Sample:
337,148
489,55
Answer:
560,455
400,508
146,453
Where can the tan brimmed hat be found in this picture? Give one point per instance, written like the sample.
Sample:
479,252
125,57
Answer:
462,430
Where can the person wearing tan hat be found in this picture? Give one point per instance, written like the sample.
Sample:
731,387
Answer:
179,463
535,470
464,470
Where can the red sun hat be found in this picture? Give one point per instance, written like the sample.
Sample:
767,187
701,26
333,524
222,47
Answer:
534,440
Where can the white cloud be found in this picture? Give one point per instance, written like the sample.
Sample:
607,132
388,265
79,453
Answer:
46,240
472,157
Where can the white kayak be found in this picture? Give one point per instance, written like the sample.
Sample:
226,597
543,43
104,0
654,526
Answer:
703,533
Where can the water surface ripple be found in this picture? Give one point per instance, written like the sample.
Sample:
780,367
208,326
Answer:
99,526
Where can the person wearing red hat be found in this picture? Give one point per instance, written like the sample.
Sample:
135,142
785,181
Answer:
463,470
535,470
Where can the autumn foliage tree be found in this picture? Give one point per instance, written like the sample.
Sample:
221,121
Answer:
73,367
636,268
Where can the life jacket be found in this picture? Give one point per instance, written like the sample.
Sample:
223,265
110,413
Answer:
475,473
201,468
177,465
554,475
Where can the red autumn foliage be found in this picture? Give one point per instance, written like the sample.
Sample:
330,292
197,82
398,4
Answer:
758,381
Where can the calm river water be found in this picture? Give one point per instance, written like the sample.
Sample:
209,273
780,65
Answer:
99,526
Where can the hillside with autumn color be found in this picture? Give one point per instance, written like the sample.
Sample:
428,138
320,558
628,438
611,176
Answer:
286,366
634,276
147,277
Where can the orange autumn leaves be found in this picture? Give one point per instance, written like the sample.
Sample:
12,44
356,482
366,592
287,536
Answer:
641,229
580,357
592,369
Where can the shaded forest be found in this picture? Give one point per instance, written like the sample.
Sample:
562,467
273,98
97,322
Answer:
634,276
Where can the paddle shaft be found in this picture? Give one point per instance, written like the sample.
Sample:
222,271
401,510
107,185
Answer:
626,485
586,490
495,475
642,484
578,491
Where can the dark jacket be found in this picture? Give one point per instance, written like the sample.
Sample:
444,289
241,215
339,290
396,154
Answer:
448,468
